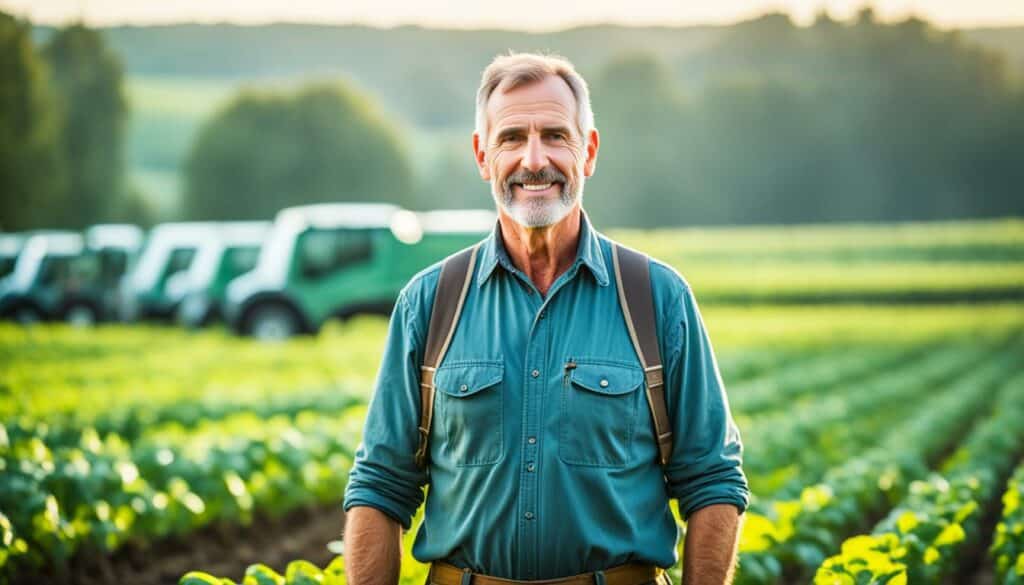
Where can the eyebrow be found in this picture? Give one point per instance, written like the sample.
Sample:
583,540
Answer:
512,130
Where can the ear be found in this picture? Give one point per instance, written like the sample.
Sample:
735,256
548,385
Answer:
593,143
480,156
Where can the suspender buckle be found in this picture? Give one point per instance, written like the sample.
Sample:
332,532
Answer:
654,376
599,578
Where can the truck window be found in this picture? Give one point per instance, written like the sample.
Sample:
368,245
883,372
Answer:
55,271
240,260
84,269
7,265
325,251
113,263
180,259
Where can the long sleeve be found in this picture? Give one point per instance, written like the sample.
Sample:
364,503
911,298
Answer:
707,452
385,475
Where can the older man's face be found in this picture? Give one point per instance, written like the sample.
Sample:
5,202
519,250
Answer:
534,156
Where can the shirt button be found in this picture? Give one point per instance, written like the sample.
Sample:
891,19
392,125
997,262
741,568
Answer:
529,467
531,440
535,373
604,383
528,515
542,313
463,388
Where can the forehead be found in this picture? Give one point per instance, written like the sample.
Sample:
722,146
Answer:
546,101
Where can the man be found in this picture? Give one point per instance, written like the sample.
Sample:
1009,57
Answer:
542,458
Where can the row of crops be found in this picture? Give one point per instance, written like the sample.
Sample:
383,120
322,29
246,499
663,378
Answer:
835,434
925,262
837,451
883,442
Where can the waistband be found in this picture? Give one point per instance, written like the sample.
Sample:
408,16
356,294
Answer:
629,574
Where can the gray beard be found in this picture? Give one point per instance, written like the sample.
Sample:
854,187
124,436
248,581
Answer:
536,212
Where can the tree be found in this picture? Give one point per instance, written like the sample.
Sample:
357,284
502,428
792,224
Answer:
643,163
265,151
31,175
88,81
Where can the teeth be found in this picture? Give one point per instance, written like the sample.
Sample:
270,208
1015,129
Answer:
536,187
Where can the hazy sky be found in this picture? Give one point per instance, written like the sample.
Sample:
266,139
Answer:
517,14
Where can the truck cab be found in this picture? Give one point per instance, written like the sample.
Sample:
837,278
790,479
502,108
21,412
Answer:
169,250
32,291
10,246
232,252
335,260
63,275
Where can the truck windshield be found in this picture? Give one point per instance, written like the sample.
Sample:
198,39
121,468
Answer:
240,260
7,265
55,271
113,264
179,260
322,252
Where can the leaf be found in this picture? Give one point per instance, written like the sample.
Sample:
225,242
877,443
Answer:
334,574
261,574
200,578
906,522
303,573
950,535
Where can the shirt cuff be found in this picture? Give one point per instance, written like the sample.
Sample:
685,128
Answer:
731,489
374,500
740,503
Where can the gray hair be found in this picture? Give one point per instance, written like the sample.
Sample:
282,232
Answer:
517,69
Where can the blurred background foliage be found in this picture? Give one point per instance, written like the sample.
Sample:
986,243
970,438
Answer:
757,122
324,143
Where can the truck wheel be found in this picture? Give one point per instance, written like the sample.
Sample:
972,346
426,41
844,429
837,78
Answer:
272,323
81,315
27,315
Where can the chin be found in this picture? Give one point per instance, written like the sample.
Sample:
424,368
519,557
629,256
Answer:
539,216
535,213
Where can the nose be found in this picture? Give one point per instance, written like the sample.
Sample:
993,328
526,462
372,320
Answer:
534,158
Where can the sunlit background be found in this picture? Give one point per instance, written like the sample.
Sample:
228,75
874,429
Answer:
840,183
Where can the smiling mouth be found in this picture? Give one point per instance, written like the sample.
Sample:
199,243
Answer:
535,187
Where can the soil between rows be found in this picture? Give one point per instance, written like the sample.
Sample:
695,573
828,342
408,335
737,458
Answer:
223,550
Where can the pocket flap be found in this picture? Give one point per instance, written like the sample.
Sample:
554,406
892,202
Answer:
462,380
607,378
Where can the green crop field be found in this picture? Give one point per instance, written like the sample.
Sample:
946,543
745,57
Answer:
881,436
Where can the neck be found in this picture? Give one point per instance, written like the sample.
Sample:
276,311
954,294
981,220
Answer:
542,253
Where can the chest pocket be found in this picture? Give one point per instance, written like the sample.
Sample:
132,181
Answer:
600,401
469,410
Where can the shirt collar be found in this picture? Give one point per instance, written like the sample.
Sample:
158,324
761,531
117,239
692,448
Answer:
588,253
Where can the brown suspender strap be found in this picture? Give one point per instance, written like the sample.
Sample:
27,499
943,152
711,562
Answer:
456,274
633,279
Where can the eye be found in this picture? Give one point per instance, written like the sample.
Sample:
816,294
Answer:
556,136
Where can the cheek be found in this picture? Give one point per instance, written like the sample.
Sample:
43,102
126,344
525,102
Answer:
497,164
573,156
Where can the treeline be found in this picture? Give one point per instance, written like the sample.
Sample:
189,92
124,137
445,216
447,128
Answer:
62,118
773,123
835,122
760,122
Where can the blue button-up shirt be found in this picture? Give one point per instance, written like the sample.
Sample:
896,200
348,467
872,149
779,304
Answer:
536,470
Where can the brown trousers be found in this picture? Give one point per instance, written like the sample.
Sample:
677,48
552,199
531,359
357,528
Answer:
664,579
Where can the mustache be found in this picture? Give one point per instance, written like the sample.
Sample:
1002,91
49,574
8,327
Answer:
545,175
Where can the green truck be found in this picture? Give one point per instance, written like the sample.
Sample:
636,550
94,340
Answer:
219,260
64,275
169,249
335,260
185,258
10,246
